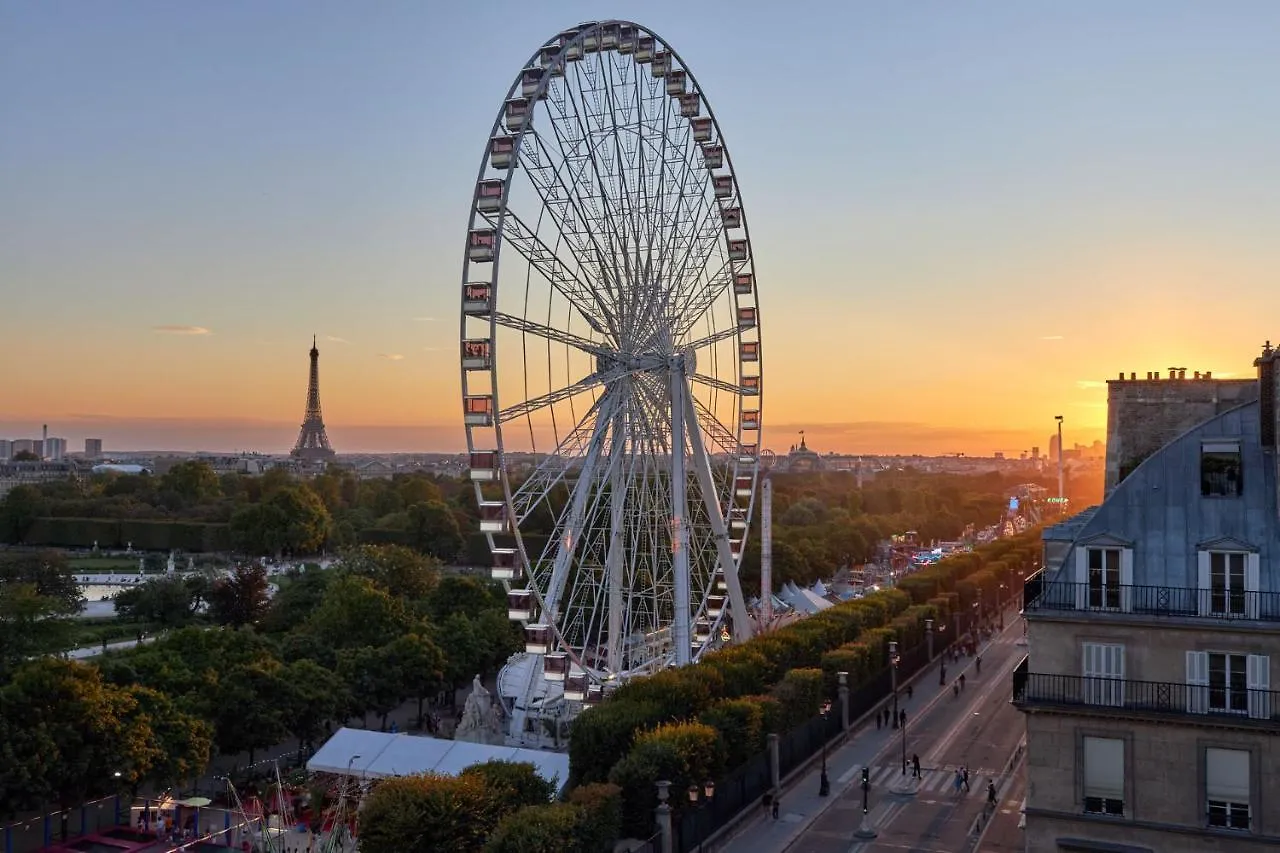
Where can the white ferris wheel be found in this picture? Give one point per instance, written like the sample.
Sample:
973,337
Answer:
611,368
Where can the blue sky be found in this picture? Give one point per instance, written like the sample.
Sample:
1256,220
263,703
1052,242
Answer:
1046,193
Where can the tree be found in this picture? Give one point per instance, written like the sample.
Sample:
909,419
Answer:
289,518
514,783
460,594
193,481
240,599
297,596
354,613
25,456
18,511
50,573
433,530
427,814
467,653
421,665
313,694
398,570
30,624
167,600
249,713
372,679
184,741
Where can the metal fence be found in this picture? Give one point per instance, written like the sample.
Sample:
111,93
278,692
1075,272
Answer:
1159,697
1038,593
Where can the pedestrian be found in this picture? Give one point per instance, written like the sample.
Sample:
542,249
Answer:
959,783
955,688
887,714
775,808
902,718
964,774
942,676
915,765
879,720
910,691
962,681
991,793
977,665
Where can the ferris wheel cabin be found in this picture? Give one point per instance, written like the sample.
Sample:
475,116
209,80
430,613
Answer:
751,419
505,566
517,113
477,298
737,517
690,104
530,79
747,456
644,49
572,49
627,39
677,82
481,244
477,410
502,151
660,64
537,639
484,466
493,517
477,354
489,195
702,631
749,351
576,686
715,606
713,156
555,666
549,58
701,129
751,385
738,252
742,487
743,283
731,217
520,605
746,316
721,586
723,186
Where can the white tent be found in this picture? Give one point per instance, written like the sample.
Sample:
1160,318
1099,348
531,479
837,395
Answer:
379,755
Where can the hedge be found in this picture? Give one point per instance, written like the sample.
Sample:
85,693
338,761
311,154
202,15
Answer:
142,535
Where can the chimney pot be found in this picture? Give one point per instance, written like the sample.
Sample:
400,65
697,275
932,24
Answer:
1208,374
1133,376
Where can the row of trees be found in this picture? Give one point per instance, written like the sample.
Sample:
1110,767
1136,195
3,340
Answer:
382,627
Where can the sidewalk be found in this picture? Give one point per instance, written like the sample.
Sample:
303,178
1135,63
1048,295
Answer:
864,744
86,652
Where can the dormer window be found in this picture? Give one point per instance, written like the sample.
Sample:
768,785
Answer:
1104,576
1228,581
1220,469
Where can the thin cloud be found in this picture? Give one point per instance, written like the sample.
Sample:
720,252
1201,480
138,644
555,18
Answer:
427,319
334,340
181,330
1051,338
1089,384
431,349
391,356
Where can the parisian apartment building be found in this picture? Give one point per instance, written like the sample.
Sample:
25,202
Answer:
1154,631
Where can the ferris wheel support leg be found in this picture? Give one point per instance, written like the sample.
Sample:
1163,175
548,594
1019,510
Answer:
576,511
702,468
679,519
617,520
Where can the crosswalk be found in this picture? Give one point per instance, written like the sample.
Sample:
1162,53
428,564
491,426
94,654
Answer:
934,779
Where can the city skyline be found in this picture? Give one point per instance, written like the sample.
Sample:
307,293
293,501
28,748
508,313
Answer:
1003,191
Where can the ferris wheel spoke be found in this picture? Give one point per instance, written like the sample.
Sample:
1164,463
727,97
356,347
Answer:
541,257
698,304
719,384
714,338
724,438
537,487
550,333
585,384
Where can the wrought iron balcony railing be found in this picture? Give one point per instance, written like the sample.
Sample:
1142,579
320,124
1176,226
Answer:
1039,594
1032,690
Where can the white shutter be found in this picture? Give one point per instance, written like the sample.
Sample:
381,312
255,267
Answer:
1115,675
1259,673
1202,585
1126,580
1252,571
1197,682
1082,578
1104,768
1226,775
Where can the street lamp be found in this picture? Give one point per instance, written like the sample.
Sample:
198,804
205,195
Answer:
824,784
117,775
707,794
1000,603
1062,506
928,637
893,678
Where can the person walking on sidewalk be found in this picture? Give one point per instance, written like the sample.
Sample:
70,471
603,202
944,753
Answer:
942,675
964,775
910,691
959,782
991,794
902,718
962,681
977,665
879,721
915,765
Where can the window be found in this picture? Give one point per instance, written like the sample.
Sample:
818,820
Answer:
1104,775
1103,674
1104,578
1229,584
1226,787
1227,683
1220,470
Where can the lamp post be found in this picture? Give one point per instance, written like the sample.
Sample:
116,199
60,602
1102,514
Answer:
824,784
1000,603
928,637
865,831
893,678
117,776
1062,507
663,813
700,799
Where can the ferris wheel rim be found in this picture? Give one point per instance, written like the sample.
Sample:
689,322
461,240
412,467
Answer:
524,556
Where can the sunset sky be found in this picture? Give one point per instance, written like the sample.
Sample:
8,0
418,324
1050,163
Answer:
965,216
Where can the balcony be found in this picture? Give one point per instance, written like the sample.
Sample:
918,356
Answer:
1044,596
1110,696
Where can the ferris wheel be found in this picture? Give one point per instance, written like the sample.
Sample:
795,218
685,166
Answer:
611,368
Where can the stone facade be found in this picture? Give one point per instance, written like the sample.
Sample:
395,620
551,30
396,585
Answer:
1144,415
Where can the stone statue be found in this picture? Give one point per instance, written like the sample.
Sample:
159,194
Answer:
191,564
169,565
480,721
142,566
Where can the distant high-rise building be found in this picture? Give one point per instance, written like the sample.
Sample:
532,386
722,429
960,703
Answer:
1035,453
313,442
93,448
28,445
6,449
55,449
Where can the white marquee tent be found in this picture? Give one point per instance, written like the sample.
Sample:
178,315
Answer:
378,755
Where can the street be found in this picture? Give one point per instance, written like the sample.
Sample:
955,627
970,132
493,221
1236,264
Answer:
979,729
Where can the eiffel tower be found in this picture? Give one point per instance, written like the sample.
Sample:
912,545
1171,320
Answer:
313,444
